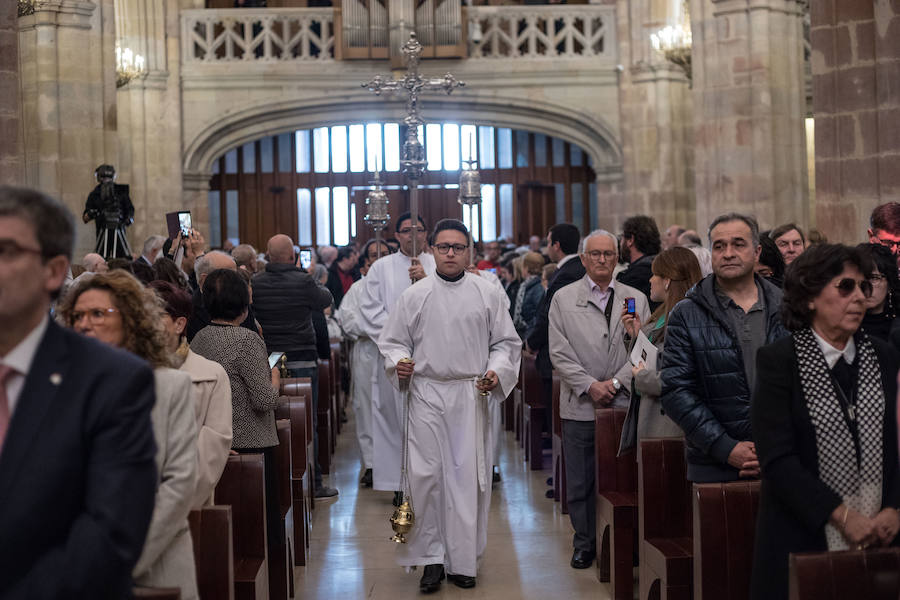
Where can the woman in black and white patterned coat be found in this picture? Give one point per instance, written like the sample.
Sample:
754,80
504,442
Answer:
824,422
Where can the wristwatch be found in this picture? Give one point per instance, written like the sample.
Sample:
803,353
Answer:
617,385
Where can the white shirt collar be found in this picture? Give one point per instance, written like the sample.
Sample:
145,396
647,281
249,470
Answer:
564,260
832,354
21,357
604,290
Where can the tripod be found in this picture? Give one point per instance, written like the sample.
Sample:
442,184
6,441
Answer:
111,241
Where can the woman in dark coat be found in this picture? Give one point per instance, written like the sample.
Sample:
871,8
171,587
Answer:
824,422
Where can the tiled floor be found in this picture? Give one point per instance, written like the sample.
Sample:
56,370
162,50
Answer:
529,541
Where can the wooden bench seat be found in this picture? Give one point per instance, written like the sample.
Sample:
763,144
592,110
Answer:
211,533
870,574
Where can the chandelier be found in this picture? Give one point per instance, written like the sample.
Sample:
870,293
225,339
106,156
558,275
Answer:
26,7
128,65
674,42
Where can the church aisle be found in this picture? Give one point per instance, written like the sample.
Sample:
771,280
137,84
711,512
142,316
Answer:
529,541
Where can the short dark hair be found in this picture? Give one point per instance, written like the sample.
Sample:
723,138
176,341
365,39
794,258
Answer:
567,235
144,272
783,229
886,263
450,224
809,273
365,253
733,216
344,252
771,256
225,295
404,217
165,269
53,223
178,303
691,237
642,229
886,217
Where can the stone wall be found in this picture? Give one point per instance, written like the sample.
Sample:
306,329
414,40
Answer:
12,155
856,102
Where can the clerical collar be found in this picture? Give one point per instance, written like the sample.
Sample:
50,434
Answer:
451,279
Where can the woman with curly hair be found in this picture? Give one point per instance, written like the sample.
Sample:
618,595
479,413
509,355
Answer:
116,309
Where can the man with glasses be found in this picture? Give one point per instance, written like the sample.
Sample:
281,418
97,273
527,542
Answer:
386,280
588,353
451,343
884,227
77,452
709,363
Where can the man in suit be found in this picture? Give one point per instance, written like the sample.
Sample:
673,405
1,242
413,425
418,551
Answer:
562,248
77,472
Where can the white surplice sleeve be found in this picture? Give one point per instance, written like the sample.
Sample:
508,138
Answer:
396,341
505,352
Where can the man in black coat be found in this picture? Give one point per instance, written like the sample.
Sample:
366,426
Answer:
562,248
708,367
640,245
77,469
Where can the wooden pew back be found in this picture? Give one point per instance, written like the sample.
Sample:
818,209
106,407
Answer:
213,554
301,386
614,473
664,491
870,574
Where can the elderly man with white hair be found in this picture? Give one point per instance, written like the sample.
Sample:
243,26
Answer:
94,263
152,247
588,352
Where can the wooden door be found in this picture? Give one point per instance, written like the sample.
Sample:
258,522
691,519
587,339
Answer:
535,210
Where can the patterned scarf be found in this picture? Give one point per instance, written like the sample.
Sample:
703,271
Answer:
858,484
518,321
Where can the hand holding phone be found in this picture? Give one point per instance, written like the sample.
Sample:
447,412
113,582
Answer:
630,306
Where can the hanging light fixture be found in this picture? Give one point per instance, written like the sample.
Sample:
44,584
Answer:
470,195
674,42
128,65
377,216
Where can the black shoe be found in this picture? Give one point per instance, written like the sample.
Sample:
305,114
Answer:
366,480
431,579
549,481
398,498
463,581
326,492
551,493
582,559
496,477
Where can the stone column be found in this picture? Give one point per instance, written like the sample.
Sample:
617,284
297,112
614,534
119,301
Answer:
12,152
856,104
655,107
749,110
68,98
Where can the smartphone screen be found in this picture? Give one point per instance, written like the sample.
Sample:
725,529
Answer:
184,221
629,303
305,258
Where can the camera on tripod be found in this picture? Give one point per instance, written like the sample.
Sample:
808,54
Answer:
109,206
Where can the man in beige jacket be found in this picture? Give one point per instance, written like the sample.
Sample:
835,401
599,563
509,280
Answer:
588,352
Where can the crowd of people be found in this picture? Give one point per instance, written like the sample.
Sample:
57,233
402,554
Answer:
772,354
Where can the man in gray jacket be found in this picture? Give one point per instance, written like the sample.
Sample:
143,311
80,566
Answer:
587,349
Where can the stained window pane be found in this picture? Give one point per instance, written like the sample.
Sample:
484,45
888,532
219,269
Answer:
578,205
559,153
266,155
303,151
467,142
231,161
560,202
374,154
521,148
489,211
321,150
540,150
214,200
577,160
357,148
323,216
451,147
339,149
433,146
340,202
506,220
504,148
391,147
304,217
486,147
248,156
231,215
353,220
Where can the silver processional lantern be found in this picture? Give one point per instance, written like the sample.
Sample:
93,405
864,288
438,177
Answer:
377,216
470,195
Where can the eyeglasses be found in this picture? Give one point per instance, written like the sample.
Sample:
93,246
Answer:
94,316
848,285
596,255
445,248
408,230
894,245
11,250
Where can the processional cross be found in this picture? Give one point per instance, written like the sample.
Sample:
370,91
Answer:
413,154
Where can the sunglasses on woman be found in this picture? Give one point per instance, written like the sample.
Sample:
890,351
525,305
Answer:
847,286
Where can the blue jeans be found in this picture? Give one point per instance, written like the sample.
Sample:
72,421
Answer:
313,374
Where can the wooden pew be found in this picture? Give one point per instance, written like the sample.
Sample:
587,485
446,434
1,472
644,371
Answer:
534,415
302,388
870,574
617,521
337,390
213,553
144,593
664,521
281,563
325,423
724,532
243,487
559,457
519,404
294,408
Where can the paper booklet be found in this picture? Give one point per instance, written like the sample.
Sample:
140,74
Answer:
644,351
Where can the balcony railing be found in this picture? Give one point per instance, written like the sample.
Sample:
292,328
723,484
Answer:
308,34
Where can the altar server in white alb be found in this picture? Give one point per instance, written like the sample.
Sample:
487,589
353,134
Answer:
456,329
386,280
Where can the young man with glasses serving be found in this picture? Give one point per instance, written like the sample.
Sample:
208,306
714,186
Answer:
385,281
709,363
588,352
451,343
